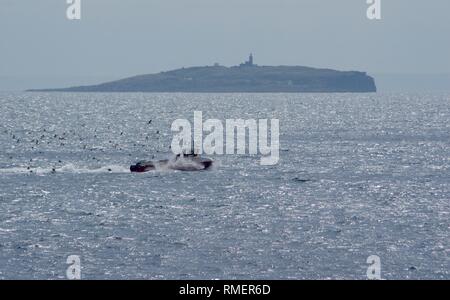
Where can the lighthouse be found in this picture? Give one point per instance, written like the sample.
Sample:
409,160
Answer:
249,62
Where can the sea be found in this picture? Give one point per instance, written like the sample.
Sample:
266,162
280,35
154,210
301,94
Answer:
359,176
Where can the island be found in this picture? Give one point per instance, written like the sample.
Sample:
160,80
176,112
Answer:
244,78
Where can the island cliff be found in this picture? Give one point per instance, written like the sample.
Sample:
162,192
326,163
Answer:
246,77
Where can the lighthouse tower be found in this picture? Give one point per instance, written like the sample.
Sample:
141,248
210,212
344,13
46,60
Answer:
250,59
249,62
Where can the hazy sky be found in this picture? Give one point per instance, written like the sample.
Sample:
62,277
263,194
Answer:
39,47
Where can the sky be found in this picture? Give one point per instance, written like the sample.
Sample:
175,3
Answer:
40,48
